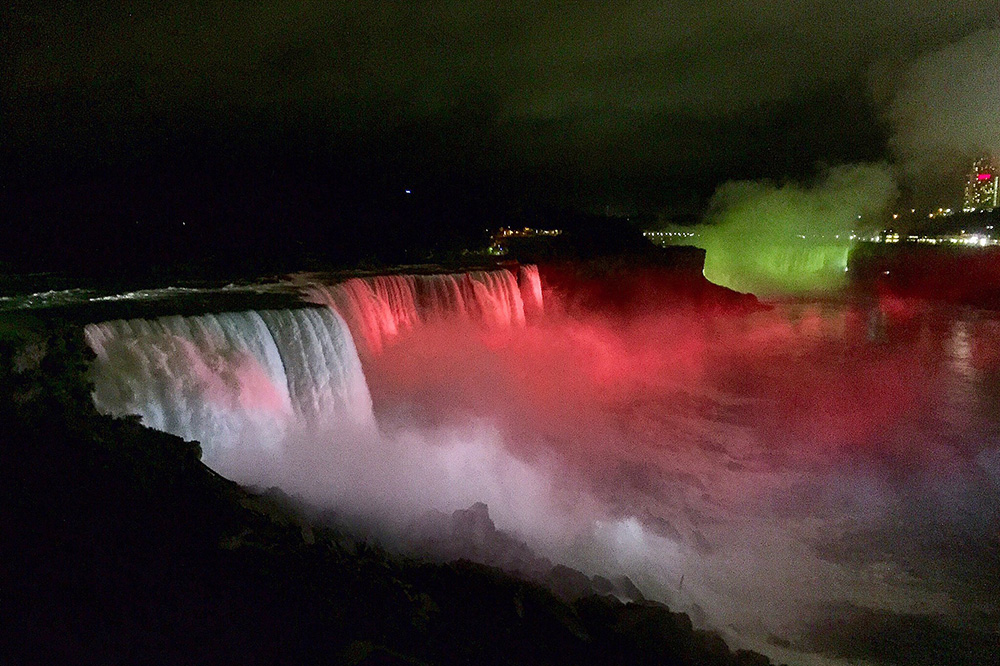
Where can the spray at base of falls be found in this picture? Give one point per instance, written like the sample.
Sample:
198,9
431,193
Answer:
770,238
781,462
274,396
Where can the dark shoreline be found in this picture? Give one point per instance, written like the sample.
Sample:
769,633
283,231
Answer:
126,548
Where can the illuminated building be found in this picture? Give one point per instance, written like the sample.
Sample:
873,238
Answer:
981,187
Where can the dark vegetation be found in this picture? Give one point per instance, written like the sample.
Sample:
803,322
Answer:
205,217
121,547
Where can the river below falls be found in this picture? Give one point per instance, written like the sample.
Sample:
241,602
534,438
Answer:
819,481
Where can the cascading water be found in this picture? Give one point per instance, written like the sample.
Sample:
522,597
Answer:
531,290
242,379
778,269
378,309
762,473
234,379
280,397
375,308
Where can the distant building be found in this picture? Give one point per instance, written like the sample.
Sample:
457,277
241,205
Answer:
981,187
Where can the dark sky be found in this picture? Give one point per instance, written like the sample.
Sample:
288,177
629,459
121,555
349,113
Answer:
638,104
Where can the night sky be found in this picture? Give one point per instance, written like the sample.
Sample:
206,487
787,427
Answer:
287,120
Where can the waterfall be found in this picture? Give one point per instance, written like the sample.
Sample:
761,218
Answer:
245,379
531,290
378,309
230,379
778,269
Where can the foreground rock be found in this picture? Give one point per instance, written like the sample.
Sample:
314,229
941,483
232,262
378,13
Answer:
121,547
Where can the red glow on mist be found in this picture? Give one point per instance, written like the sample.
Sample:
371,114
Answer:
594,388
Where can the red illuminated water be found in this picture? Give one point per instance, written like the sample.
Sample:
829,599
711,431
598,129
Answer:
765,472
788,462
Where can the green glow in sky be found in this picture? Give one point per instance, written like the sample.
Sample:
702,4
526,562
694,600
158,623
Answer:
790,240
777,269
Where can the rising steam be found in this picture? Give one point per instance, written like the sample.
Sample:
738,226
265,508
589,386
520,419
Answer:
946,105
944,110
766,238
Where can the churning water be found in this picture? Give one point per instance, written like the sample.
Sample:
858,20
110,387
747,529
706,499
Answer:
819,481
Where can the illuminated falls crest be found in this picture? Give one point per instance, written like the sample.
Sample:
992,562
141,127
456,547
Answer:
239,379
379,308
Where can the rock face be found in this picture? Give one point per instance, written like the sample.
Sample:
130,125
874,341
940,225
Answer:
470,534
474,526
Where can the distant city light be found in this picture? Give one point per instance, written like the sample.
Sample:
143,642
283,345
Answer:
666,237
497,247
982,190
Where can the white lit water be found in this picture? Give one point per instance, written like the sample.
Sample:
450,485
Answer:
820,482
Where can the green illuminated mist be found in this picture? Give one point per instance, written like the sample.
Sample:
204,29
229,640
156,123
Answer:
790,239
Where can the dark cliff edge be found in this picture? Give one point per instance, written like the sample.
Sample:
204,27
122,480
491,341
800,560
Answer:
599,265
122,547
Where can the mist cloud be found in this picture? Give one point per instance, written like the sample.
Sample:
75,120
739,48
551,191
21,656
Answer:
782,464
767,238
946,105
944,110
